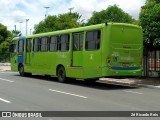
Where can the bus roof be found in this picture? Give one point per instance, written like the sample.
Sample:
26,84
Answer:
92,27
79,29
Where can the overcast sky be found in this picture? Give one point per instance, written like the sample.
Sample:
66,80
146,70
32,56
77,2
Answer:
12,12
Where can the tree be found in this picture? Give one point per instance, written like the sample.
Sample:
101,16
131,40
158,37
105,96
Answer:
60,22
5,38
16,33
150,22
111,14
78,17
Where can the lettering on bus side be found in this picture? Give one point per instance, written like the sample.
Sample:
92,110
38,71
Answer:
128,58
91,56
63,56
115,54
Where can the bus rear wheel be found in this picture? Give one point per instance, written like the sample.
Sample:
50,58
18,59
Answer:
61,74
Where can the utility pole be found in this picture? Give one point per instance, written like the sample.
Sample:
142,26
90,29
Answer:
46,11
26,25
70,10
15,27
30,31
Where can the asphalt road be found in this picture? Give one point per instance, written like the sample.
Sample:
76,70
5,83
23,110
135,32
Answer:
37,93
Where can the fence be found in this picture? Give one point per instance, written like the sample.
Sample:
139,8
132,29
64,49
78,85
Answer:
151,64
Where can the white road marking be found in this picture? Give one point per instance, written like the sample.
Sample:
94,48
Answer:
6,80
67,93
133,92
1,99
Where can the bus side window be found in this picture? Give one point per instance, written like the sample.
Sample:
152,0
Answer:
75,42
93,40
97,37
44,44
28,45
81,41
20,46
13,47
78,41
36,46
64,42
54,43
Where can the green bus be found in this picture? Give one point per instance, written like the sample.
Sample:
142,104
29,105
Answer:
90,52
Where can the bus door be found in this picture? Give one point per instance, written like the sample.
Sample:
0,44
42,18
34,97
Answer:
13,55
77,60
92,54
28,51
21,50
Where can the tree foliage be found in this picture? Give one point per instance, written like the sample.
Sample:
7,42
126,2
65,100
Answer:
60,22
16,33
5,38
150,22
111,14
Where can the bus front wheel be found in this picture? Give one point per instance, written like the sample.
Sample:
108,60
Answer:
61,74
21,70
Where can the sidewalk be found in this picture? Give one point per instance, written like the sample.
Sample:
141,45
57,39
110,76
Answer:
5,68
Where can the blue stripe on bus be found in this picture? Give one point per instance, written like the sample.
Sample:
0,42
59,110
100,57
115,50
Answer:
124,68
21,37
20,57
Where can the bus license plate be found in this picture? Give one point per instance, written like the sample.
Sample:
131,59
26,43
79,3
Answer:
126,64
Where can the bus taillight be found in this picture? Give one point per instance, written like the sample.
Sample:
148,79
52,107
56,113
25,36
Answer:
108,60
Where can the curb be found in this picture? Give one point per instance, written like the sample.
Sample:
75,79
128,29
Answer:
149,86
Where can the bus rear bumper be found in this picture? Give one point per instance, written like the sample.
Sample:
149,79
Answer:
127,73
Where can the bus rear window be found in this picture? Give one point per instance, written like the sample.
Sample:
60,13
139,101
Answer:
126,35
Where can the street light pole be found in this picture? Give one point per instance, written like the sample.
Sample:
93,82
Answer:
20,25
46,11
70,9
26,25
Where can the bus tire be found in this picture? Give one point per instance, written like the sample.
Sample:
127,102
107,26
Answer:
21,70
61,74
